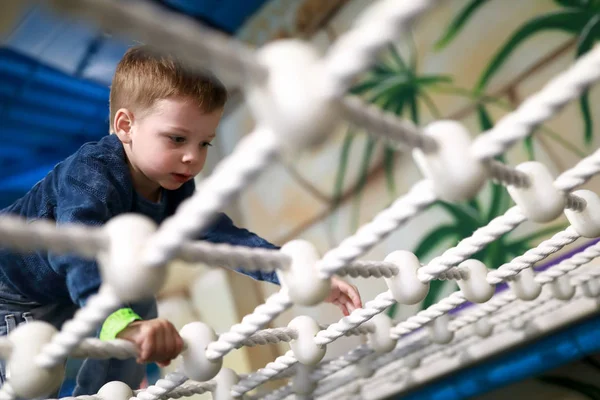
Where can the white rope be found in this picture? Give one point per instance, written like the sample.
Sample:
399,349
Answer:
187,389
19,234
501,274
539,107
401,211
234,257
162,387
357,49
532,256
250,324
503,224
171,32
83,324
397,131
368,269
252,154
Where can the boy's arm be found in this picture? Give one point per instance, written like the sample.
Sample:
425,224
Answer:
80,203
224,231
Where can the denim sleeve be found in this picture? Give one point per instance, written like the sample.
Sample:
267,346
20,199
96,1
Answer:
224,231
80,203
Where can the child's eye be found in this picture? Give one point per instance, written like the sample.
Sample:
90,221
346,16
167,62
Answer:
206,144
177,139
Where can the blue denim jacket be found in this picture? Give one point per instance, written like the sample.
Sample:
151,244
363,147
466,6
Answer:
90,187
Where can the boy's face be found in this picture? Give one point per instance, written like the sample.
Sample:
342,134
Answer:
167,144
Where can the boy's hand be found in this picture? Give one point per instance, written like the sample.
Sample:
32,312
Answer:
344,295
157,340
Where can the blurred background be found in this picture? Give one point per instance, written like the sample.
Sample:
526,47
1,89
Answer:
469,60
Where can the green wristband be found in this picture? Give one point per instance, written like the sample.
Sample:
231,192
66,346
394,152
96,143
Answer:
116,322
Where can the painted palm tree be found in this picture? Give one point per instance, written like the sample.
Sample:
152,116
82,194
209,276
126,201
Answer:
579,18
395,85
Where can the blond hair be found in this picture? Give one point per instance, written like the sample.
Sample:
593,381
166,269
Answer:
144,76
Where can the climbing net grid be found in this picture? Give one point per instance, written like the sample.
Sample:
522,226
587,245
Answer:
297,97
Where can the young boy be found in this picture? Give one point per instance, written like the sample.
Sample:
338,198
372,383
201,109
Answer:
163,118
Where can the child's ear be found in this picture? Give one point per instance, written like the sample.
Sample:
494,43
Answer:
122,124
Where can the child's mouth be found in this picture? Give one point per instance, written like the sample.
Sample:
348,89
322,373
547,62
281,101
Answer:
181,177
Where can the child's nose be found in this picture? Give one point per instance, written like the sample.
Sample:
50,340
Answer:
190,157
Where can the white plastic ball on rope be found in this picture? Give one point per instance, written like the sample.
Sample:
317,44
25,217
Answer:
115,391
587,221
364,367
476,287
26,378
406,286
524,285
302,279
540,201
518,323
225,379
304,347
302,382
562,289
482,327
294,100
197,336
438,330
456,174
412,361
120,266
591,288
381,341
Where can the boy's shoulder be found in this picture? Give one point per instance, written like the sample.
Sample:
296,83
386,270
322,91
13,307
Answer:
106,153
96,162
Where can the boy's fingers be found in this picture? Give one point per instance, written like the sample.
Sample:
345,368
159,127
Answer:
352,292
171,338
160,348
145,349
342,306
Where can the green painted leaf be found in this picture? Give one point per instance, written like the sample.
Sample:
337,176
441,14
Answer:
498,205
435,237
364,86
432,79
342,166
391,312
586,389
397,58
389,156
525,240
571,21
474,204
588,129
390,88
485,121
458,23
528,142
414,108
589,35
466,218
573,3
362,180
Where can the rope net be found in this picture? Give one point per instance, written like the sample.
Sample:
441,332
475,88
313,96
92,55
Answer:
297,96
